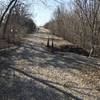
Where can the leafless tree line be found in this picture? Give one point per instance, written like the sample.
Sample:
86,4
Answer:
79,25
15,21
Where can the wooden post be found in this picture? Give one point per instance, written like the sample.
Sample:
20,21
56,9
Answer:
48,42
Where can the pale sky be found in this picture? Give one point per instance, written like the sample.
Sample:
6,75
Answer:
43,13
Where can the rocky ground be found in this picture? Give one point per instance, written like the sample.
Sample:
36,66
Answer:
35,73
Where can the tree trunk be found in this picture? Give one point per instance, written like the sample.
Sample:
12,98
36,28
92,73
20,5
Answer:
7,21
2,17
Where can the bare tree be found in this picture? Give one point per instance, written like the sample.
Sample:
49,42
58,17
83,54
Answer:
6,10
8,17
89,11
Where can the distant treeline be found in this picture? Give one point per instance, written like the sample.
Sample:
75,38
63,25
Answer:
79,25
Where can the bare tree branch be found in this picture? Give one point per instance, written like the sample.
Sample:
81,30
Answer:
11,2
8,17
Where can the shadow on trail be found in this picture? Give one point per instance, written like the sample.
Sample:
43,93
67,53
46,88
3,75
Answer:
70,48
20,89
30,88
40,56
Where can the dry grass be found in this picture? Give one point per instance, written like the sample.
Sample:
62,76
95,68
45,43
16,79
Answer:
82,83
69,72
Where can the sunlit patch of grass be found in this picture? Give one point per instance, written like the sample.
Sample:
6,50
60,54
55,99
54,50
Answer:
23,62
53,74
90,77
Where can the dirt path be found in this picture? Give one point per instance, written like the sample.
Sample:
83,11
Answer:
42,38
57,76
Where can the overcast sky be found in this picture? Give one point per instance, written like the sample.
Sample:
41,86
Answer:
43,13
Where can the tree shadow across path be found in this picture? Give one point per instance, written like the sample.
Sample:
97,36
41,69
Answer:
38,55
41,56
30,88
